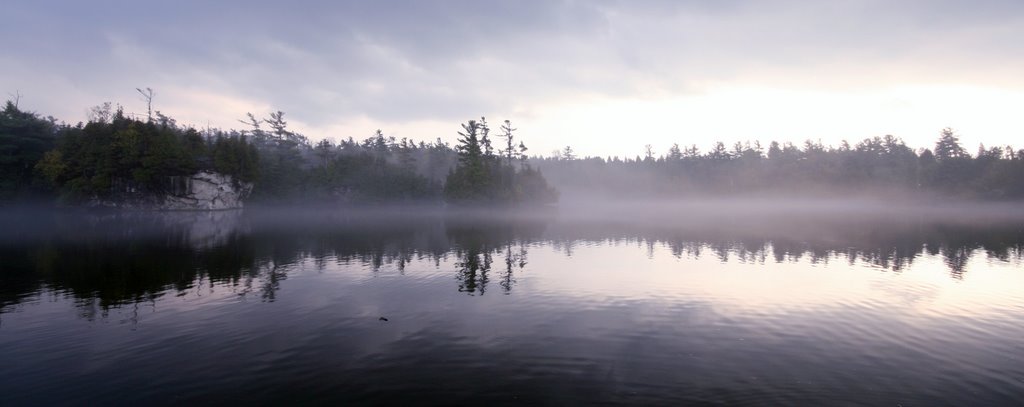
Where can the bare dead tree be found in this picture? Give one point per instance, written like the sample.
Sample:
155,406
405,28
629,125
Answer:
147,95
509,148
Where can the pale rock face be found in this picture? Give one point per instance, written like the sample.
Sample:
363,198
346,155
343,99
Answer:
208,191
204,191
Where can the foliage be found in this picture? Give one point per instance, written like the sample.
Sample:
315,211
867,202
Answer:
24,140
884,165
482,177
375,170
115,155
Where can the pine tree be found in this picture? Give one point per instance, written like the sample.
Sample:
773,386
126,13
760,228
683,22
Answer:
948,146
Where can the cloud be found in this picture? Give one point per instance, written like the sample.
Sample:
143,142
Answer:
413,61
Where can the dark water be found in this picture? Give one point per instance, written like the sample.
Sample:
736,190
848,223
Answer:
234,307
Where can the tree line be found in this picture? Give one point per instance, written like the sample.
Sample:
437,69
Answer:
115,155
884,165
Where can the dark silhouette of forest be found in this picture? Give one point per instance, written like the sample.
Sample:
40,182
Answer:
483,176
116,154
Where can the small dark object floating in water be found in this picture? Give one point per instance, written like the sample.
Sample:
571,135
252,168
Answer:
383,319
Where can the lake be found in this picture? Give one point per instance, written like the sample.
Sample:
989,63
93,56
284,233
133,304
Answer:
548,307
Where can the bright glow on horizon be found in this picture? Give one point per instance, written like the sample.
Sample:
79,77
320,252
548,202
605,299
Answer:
604,126
730,114
606,78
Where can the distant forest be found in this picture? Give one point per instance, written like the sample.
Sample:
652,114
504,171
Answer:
880,166
115,153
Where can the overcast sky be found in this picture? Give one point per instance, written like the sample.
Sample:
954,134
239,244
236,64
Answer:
604,76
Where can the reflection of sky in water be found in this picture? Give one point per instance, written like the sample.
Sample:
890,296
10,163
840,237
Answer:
631,320
633,269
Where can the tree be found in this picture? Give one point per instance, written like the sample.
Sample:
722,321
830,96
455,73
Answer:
567,154
100,113
24,139
507,130
405,155
124,158
379,145
279,126
470,153
774,150
147,95
719,152
674,153
480,178
948,146
692,151
468,181
52,166
254,124
485,140
522,154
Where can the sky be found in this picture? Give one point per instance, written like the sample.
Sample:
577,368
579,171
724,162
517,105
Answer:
606,77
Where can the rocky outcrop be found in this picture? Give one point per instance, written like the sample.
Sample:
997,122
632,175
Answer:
203,191
209,191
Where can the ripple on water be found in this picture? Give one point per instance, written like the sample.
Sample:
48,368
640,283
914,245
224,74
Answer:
630,320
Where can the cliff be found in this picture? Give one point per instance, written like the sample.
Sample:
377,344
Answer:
202,191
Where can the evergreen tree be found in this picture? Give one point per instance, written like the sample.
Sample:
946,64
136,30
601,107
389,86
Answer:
674,153
510,152
24,139
481,178
948,146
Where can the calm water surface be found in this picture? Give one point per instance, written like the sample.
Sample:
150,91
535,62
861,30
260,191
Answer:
330,307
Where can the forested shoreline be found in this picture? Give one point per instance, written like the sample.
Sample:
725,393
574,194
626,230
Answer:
880,167
115,154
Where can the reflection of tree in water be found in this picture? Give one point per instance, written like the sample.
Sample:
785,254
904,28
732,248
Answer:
116,273
372,242
266,280
515,260
109,260
108,263
473,269
890,246
957,259
115,261
476,262
477,243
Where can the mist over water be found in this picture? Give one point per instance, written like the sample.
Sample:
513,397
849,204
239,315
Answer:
512,203
738,302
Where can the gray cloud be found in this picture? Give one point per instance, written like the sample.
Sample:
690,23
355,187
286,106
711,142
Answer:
407,60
